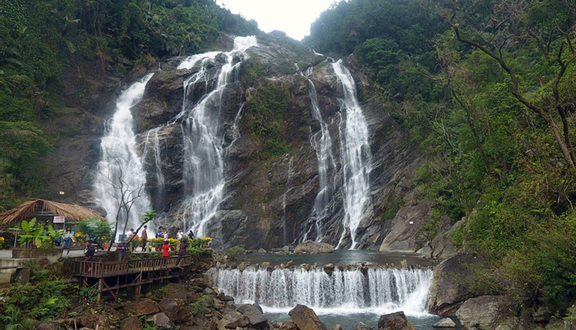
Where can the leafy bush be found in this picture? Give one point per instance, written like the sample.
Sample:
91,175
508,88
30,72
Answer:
43,301
199,306
95,229
235,252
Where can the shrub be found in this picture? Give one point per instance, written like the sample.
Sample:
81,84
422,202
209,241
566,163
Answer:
235,252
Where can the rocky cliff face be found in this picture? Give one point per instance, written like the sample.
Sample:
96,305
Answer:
267,131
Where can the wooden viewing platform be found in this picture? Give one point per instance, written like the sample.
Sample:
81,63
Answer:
111,276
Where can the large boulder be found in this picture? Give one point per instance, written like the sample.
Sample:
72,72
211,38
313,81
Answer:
130,323
176,310
311,247
305,318
232,319
289,325
448,289
444,323
161,321
142,307
254,314
394,321
484,312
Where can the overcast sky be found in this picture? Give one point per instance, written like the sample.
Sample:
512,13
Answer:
293,17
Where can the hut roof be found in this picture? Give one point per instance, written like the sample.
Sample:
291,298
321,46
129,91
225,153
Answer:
42,207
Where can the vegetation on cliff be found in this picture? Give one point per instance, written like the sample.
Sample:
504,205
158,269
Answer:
488,89
42,40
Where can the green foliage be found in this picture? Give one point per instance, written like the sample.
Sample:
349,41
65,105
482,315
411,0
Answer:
95,229
34,234
21,145
38,271
146,325
235,252
544,263
43,301
89,293
267,110
199,306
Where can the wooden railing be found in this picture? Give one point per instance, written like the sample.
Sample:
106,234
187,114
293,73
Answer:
112,268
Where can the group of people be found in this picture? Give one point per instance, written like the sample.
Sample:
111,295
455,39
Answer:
121,246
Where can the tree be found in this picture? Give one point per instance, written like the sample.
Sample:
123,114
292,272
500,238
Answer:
520,31
95,229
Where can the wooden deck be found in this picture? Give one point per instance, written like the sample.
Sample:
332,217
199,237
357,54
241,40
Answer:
112,276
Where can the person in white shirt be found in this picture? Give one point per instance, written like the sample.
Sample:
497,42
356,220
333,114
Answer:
180,234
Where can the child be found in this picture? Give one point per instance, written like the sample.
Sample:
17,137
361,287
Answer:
165,252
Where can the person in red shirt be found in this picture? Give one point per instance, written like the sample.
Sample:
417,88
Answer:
165,252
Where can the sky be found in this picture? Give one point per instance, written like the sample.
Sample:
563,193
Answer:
291,16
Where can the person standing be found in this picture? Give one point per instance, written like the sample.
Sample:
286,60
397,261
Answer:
165,237
144,237
165,252
68,239
191,234
160,232
131,237
89,250
182,250
180,234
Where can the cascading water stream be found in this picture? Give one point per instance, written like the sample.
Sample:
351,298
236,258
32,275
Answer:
120,170
288,188
379,290
355,157
203,138
152,145
322,144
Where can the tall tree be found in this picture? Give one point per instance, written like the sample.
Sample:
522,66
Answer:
517,32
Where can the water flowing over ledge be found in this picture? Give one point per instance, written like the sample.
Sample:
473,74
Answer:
377,290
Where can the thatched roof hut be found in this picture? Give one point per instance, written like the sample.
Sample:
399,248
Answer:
45,209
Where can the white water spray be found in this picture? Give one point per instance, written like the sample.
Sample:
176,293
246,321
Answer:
355,156
322,144
378,290
203,138
120,169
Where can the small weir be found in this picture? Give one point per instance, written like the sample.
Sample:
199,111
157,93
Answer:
355,290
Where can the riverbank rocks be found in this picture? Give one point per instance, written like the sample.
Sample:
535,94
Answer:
232,319
311,247
160,321
484,312
444,323
142,307
363,326
394,321
176,310
254,314
130,323
329,269
305,318
448,290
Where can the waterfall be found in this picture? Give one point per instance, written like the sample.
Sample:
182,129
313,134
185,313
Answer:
119,171
382,290
203,137
288,188
322,144
152,145
355,157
